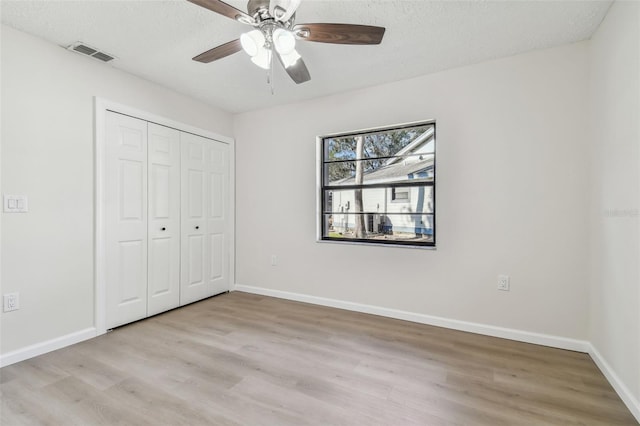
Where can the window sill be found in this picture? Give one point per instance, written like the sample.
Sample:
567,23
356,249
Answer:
358,243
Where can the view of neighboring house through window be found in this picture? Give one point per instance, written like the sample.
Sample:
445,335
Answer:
378,186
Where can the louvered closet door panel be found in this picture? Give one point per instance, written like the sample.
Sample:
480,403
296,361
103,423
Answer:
163,288
217,169
126,219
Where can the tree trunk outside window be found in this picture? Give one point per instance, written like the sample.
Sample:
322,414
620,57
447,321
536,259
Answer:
360,231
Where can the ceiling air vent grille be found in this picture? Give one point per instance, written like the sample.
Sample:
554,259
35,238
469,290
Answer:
90,51
103,56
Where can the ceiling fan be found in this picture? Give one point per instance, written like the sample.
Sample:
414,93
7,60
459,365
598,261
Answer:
275,34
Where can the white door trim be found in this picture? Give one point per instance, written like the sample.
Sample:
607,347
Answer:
101,106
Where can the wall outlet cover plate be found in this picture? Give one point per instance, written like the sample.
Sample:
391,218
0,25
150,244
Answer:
11,302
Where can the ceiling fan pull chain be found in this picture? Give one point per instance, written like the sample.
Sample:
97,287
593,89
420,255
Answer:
270,75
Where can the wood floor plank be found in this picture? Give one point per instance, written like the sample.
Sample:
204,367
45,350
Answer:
244,359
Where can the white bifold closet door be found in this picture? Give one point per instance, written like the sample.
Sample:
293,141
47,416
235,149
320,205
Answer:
205,236
163,290
166,218
126,219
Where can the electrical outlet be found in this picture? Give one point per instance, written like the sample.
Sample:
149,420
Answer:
11,302
503,282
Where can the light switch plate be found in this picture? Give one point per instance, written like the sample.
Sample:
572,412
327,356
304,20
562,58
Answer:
16,204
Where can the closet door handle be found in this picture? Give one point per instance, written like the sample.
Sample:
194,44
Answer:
163,229
197,227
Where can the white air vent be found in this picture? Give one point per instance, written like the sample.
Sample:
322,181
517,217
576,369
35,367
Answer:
81,47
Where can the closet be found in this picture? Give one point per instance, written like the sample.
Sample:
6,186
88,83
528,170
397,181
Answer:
166,218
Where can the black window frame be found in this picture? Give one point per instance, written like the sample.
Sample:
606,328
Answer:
323,188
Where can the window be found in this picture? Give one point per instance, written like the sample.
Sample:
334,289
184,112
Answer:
378,186
400,194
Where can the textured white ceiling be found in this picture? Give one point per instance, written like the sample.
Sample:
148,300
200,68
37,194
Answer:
157,39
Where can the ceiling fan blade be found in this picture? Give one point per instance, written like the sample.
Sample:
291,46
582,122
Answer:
298,71
219,52
283,10
224,9
340,33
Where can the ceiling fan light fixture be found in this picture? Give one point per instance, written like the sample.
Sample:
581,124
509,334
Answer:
275,33
290,59
262,58
284,41
252,42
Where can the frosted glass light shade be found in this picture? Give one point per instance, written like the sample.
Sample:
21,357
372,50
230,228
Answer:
284,41
290,58
262,58
252,42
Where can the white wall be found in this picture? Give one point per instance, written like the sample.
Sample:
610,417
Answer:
512,196
615,191
47,154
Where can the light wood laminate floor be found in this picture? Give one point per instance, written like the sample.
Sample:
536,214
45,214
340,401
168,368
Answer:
242,359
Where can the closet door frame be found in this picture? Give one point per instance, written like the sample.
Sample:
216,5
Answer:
101,106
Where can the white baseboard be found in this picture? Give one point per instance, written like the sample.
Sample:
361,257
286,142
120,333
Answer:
623,391
489,330
47,346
